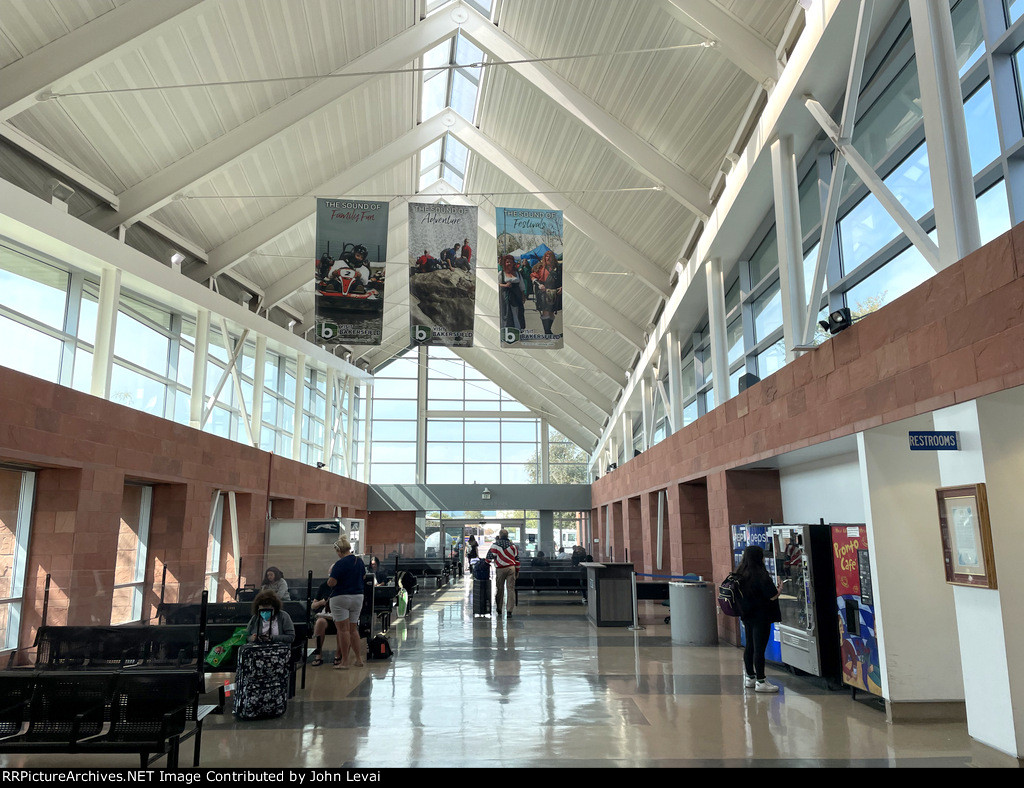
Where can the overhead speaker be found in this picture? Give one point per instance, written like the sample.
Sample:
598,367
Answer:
748,380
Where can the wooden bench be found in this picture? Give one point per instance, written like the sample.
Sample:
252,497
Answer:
141,711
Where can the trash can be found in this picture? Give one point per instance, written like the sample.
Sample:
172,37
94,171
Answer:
692,609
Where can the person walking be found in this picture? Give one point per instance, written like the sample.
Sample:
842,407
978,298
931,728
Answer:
759,608
505,557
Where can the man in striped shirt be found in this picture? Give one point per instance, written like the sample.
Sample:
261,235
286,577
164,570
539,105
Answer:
505,557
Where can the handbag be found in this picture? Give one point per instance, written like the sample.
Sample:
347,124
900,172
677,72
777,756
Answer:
222,651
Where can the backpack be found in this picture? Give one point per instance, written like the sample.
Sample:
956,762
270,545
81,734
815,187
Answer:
730,596
379,647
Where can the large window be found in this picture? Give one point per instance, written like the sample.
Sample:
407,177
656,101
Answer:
466,430
16,500
130,565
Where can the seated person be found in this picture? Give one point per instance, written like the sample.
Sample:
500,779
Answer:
540,559
269,623
273,580
380,576
323,618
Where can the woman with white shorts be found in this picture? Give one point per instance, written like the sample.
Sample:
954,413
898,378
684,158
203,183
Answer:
346,602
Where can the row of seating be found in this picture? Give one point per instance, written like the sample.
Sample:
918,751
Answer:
129,689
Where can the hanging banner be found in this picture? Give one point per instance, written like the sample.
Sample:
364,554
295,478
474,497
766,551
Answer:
351,247
530,277
442,274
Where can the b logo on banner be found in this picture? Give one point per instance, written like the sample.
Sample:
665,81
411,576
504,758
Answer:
421,334
327,330
509,335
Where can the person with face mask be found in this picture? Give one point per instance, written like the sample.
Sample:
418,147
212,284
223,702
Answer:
269,623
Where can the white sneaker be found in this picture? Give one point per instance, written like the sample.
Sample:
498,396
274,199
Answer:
748,681
764,686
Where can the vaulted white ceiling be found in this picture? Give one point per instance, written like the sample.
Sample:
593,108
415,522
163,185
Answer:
231,165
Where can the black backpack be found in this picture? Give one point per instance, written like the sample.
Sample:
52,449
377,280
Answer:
378,647
730,596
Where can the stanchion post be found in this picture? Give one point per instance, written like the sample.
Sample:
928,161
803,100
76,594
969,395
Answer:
636,625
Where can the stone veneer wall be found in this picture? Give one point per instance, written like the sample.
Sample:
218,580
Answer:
86,448
956,337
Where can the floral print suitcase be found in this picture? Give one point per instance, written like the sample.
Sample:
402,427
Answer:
261,681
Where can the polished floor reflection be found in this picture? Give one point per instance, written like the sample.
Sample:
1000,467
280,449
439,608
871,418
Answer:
547,689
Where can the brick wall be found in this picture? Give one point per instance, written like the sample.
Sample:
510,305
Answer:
385,530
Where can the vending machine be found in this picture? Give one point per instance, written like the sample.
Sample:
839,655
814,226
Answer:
858,643
808,631
760,535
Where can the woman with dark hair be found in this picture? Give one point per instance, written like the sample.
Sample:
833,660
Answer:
269,622
547,283
273,580
380,575
759,608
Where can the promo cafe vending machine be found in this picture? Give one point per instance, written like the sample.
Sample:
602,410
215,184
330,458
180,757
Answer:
856,609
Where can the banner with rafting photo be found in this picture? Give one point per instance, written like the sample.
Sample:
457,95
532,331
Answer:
442,274
351,250
530,277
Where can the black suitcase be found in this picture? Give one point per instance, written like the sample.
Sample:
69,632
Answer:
261,680
481,596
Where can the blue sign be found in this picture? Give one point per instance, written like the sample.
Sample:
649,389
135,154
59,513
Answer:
935,441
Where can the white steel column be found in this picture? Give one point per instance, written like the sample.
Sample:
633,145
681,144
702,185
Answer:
257,389
945,129
716,320
328,420
350,389
106,327
300,387
626,423
790,241
545,453
368,432
421,416
202,349
647,409
674,405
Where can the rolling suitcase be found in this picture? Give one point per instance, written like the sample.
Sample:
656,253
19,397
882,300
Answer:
481,588
261,681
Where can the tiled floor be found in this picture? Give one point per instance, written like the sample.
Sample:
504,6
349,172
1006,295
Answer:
547,689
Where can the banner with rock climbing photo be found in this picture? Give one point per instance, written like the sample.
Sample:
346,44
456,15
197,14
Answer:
442,274
351,249
530,277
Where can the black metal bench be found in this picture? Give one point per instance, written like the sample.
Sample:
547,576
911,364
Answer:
223,618
117,647
141,711
568,579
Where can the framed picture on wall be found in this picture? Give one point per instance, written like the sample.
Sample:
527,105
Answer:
966,536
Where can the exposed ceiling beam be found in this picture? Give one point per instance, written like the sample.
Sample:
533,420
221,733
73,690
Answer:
736,41
87,48
238,247
199,166
621,253
686,189
621,324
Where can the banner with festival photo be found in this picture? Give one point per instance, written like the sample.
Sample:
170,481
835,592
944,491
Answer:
530,277
351,250
442,274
